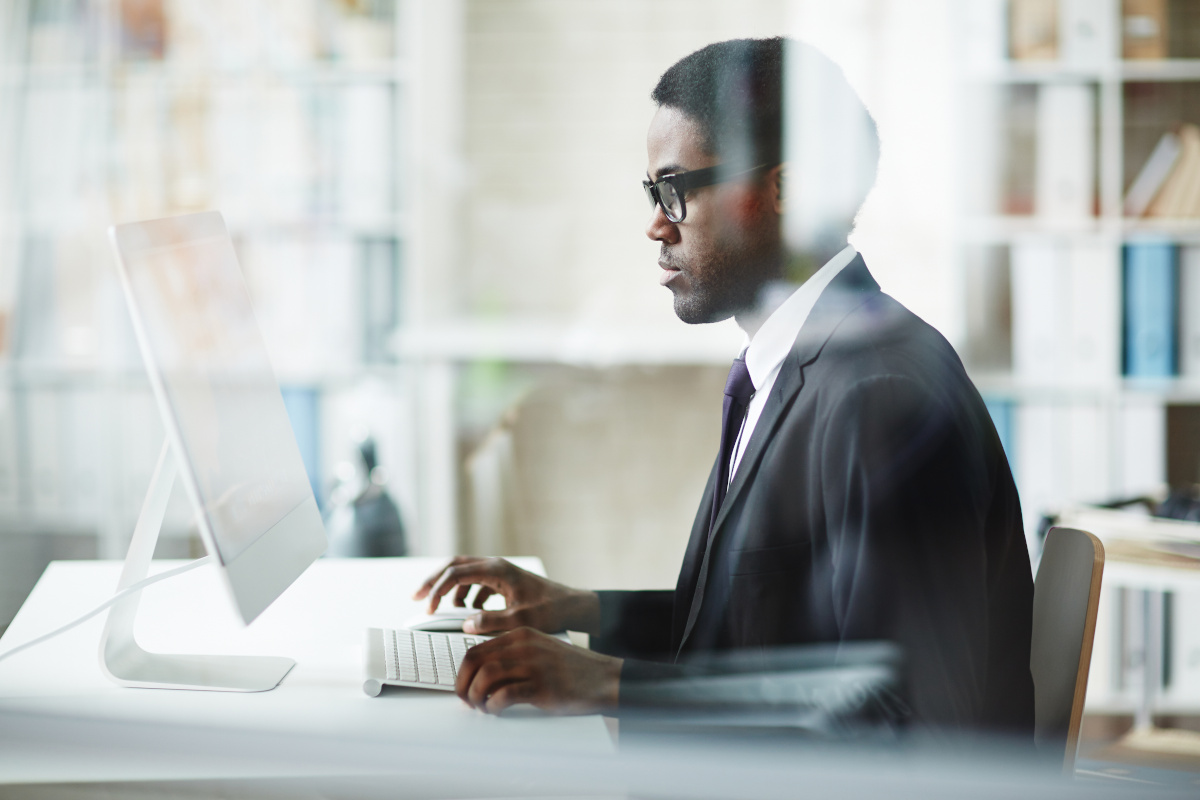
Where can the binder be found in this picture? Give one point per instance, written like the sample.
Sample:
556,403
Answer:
1033,29
1087,32
984,26
1066,151
1150,319
1189,311
1144,24
1040,320
1066,455
1140,452
1093,346
367,152
1040,444
1088,455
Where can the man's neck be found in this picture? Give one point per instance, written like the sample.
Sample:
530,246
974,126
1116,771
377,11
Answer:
797,269
769,298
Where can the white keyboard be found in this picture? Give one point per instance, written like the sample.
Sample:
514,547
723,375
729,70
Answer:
424,659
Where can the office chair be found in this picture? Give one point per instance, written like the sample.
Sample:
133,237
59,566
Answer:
1066,596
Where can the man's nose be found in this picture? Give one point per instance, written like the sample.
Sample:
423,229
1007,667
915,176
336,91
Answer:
661,229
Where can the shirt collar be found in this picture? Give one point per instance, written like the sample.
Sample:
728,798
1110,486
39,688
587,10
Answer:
773,341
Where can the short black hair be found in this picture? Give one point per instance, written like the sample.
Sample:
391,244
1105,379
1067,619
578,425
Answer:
735,92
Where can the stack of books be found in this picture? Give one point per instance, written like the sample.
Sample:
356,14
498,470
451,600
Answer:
1169,183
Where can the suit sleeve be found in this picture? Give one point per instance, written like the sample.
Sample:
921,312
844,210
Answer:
635,624
906,483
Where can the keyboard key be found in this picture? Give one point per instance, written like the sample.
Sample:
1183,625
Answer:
422,657
389,658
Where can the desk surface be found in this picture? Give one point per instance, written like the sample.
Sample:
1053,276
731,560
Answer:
51,694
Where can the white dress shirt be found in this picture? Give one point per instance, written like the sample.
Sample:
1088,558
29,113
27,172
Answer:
768,348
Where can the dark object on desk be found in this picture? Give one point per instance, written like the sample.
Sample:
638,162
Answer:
1182,503
369,524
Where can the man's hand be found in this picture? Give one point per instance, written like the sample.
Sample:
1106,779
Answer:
525,666
531,600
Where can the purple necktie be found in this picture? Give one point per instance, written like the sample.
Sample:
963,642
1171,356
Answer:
738,391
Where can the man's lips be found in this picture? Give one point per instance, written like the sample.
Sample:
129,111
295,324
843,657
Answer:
668,274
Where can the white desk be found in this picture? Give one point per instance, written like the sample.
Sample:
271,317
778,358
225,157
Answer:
319,735
62,721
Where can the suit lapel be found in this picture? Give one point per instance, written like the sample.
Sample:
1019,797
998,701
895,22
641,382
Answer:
852,287
685,586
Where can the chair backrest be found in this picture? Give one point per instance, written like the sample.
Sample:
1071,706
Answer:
1066,596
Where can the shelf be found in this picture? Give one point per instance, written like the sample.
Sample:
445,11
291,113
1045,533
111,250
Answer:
383,226
579,345
1168,69
182,75
48,376
1130,71
1007,72
1177,390
25,523
1002,229
1181,230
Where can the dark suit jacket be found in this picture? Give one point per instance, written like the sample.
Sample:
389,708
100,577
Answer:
873,502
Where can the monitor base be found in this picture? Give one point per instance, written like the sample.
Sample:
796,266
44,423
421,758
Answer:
127,664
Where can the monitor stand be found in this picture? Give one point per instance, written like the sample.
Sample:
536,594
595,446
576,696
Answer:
127,664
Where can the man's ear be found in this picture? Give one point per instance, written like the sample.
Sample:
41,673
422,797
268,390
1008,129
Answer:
775,184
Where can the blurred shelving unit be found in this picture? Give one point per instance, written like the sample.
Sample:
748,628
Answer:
295,118
1062,103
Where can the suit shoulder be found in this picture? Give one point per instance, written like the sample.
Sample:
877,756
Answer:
881,337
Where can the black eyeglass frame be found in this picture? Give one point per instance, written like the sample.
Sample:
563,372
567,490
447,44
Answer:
684,182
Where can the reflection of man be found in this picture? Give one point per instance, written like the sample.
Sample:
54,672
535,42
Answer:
861,493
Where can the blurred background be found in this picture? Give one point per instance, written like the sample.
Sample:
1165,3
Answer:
437,210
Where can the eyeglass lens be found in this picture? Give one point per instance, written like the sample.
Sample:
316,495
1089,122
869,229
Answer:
671,200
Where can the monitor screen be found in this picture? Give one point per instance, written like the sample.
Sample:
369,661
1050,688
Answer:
197,331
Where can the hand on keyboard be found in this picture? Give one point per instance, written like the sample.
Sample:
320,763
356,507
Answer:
525,666
532,601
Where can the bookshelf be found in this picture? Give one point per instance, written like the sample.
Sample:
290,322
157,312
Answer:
294,118
1054,128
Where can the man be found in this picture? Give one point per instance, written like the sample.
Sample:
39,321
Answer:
861,493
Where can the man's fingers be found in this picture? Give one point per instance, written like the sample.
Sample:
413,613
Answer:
508,695
488,679
482,595
495,573
496,673
425,587
460,595
475,658
486,652
457,575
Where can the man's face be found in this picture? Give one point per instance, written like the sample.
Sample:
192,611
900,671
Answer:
716,259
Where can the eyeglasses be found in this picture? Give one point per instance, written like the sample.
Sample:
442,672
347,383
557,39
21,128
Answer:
669,190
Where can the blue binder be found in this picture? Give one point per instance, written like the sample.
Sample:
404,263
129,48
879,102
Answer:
1151,310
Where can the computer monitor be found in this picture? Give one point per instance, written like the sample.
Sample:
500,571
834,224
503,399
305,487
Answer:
227,430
